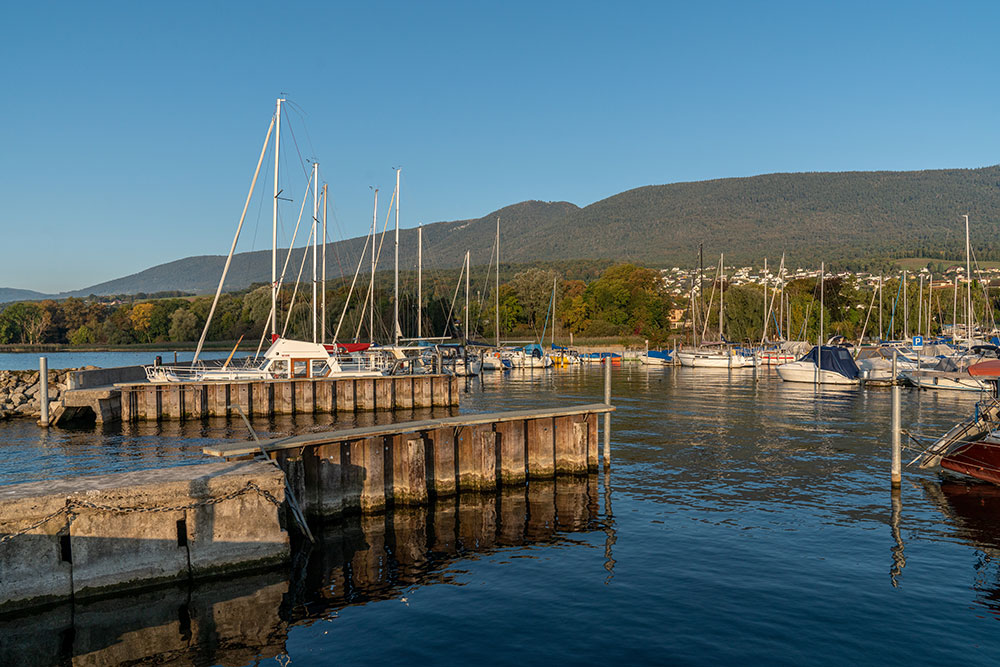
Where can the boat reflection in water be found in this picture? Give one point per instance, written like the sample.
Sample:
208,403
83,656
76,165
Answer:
973,508
245,619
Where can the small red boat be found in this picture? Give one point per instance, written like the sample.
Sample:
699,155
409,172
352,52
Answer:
978,457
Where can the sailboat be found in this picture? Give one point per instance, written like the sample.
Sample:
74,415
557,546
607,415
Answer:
284,358
720,354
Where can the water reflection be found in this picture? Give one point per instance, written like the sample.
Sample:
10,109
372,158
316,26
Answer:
362,559
973,510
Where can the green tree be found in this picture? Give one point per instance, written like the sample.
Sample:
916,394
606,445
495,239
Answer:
183,325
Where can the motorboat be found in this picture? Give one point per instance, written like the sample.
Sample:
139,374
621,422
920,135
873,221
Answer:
972,447
952,373
656,358
827,364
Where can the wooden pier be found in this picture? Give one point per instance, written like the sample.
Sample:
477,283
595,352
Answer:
264,398
405,464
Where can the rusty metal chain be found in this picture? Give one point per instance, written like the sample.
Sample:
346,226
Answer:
72,504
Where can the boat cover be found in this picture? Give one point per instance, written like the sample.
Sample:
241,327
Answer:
660,354
836,359
989,369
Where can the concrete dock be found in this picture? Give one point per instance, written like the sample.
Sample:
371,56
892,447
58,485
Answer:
84,536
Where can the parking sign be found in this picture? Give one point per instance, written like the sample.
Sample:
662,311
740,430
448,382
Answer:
918,342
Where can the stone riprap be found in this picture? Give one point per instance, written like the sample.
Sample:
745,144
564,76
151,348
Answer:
19,391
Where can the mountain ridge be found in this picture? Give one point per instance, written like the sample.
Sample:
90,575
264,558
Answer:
840,217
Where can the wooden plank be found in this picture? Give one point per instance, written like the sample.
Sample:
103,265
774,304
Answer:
571,444
325,396
218,399
592,451
454,391
540,447
240,448
369,454
511,453
440,388
421,392
263,398
345,396
128,410
475,449
365,394
383,393
406,478
304,397
240,394
325,480
284,398
439,447
151,403
403,392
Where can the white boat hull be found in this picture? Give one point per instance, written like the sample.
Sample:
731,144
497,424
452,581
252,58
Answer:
703,360
805,371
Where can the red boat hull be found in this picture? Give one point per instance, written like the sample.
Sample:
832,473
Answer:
975,459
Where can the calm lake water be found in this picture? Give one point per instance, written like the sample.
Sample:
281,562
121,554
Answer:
20,361
741,521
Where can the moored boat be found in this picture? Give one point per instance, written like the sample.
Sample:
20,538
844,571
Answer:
823,365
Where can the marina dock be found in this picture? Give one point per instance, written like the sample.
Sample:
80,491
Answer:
404,464
114,394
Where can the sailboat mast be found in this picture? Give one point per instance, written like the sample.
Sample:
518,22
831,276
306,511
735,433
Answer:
315,304
274,222
466,318
920,306
554,282
822,277
371,285
881,336
906,310
763,277
968,283
323,290
420,281
496,314
722,292
395,287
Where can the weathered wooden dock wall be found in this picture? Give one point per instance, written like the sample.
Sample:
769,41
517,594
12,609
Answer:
405,464
84,536
197,400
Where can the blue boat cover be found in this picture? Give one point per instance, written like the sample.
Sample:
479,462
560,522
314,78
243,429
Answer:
660,354
836,359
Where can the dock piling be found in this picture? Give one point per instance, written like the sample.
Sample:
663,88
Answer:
43,390
897,456
607,415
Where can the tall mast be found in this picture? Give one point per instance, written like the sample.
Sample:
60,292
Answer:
906,311
420,280
395,287
554,283
371,286
323,291
968,283
764,280
920,306
881,337
315,247
274,222
822,277
496,315
466,297
722,308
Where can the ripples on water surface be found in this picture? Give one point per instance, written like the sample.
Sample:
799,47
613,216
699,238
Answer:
750,522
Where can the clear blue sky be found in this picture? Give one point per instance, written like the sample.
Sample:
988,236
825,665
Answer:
130,129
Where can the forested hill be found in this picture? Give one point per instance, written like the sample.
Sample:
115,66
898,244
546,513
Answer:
842,218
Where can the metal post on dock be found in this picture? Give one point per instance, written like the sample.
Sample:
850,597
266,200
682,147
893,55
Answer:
607,415
895,354
43,391
897,454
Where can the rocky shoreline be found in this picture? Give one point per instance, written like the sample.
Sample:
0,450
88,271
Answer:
19,391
